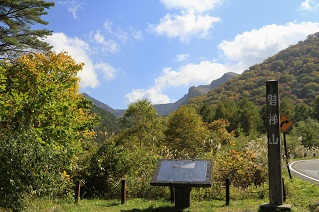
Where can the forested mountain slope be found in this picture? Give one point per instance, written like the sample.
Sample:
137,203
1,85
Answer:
296,68
107,123
104,106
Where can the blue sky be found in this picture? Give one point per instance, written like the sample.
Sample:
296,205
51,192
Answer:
157,49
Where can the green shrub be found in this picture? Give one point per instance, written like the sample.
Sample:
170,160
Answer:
111,163
30,169
243,167
104,168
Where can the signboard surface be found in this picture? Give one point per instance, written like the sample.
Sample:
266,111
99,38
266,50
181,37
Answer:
183,172
285,123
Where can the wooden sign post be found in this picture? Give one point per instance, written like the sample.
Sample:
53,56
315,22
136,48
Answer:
276,197
274,148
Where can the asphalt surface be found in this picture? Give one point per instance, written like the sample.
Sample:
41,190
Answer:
306,170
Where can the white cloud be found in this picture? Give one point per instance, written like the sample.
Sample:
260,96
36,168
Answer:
185,26
305,5
98,37
197,5
119,34
256,45
153,95
111,40
108,26
108,71
109,45
191,74
181,57
309,5
73,6
191,20
136,34
78,49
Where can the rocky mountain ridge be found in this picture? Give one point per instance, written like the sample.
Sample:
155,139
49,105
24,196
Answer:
166,109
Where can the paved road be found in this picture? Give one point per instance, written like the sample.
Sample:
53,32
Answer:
306,170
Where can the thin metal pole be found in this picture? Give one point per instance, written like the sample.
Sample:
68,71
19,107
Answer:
287,156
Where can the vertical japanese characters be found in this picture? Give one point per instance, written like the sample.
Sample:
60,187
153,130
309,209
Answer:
273,118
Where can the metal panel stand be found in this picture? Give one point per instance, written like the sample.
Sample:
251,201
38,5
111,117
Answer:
182,197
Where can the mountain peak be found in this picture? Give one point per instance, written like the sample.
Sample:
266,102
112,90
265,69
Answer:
166,109
194,91
104,106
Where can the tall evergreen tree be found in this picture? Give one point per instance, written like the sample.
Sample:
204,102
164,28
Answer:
16,33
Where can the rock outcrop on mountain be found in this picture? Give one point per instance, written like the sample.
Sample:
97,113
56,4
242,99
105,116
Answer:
166,109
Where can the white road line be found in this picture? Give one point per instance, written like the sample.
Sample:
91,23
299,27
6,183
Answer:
290,167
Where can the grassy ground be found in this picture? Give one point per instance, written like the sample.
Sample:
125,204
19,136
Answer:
154,205
303,196
143,205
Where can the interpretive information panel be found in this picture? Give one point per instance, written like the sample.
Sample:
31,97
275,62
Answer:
183,172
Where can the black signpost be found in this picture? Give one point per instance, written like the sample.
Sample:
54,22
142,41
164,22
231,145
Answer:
276,197
285,125
183,175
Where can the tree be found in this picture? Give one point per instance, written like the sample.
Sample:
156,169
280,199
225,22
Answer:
207,113
302,112
315,108
227,109
108,124
41,94
186,132
249,119
141,120
287,107
219,133
44,121
264,116
16,32
308,131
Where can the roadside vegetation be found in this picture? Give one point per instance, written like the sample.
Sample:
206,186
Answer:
302,195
